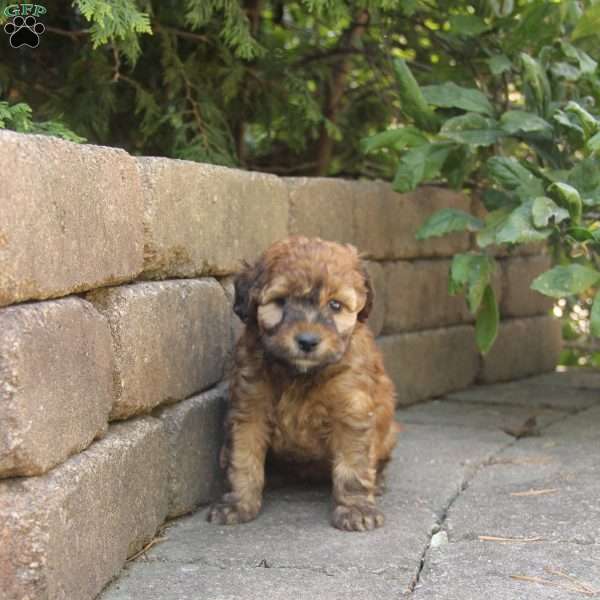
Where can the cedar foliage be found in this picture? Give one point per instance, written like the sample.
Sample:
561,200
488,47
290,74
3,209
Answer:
262,84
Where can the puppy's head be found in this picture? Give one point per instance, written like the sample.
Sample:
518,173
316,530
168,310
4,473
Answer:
304,297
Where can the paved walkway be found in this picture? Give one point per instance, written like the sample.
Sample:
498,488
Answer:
483,502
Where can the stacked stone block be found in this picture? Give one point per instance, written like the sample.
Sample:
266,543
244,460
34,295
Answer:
116,331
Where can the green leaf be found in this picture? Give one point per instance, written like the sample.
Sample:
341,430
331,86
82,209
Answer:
472,129
499,63
494,199
460,162
568,196
467,25
510,174
471,273
398,138
590,124
593,144
411,169
422,163
493,222
515,121
488,317
585,177
413,102
565,70
569,122
580,234
588,24
565,280
535,25
448,220
536,79
586,63
519,229
116,22
450,95
544,209
595,316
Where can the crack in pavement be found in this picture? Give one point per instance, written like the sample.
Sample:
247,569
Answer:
470,475
332,571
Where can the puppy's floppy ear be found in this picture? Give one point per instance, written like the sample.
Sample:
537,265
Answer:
363,315
244,305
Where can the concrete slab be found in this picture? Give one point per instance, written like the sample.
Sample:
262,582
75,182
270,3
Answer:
455,476
477,416
553,479
551,502
475,570
293,530
522,393
434,476
584,425
195,581
573,378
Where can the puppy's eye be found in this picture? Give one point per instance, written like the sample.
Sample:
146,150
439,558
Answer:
335,306
280,302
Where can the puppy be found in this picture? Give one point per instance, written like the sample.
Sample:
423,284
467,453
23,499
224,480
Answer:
308,382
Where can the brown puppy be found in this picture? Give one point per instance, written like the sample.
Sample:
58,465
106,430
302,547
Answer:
309,382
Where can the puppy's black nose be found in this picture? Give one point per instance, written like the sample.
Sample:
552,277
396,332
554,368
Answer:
307,342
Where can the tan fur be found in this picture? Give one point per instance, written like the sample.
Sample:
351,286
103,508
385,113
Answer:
269,315
333,406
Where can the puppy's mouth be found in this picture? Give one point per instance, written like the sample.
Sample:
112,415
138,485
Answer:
310,364
304,365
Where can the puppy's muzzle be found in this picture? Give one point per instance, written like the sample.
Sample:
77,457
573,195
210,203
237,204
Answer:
307,342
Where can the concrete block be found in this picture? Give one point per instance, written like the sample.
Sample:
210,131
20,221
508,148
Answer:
405,213
237,327
203,219
430,363
72,219
65,534
170,340
194,431
523,347
56,366
371,216
417,296
322,207
519,300
378,283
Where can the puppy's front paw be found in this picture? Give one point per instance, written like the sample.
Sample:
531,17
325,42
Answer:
357,518
231,513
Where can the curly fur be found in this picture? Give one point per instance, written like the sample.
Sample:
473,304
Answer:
327,408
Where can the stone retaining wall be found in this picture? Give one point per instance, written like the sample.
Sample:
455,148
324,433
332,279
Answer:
116,330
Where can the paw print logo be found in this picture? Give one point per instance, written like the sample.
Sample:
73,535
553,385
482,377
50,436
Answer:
24,31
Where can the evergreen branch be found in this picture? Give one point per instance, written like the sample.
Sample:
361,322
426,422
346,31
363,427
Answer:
189,35
117,70
349,39
333,53
291,169
74,34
